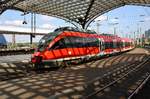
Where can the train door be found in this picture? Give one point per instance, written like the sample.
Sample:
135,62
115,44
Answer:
123,45
101,44
114,44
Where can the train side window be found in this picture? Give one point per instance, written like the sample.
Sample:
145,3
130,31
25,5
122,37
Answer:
110,45
123,44
68,41
74,42
86,43
93,42
59,44
118,45
106,45
114,44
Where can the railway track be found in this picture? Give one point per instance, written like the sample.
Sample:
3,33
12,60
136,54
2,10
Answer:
15,67
96,88
92,80
127,86
142,82
6,52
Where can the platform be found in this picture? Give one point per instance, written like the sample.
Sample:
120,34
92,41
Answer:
42,86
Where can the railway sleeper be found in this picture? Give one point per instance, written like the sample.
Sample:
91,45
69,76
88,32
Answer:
138,85
125,76
102,83
122,90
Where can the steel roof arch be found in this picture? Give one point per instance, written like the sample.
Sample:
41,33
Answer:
82,12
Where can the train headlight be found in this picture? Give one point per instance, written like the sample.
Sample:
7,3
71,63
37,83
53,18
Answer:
36,59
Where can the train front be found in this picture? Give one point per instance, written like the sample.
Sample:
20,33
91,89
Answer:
44,51
42,47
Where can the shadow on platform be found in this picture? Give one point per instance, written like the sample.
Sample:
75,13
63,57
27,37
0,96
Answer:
62,81
12,70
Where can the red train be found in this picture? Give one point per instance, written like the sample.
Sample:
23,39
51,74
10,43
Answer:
68,44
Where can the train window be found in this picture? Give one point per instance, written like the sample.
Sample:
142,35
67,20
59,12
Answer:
69,42
73,42
114,44
59,44
91,42
111,45
121,44
106,45
127,44
118,44
45,40
82,42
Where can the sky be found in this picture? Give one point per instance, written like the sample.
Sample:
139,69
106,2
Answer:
127,18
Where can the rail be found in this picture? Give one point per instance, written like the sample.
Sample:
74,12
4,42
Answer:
140,86
5,52
128,71
101,83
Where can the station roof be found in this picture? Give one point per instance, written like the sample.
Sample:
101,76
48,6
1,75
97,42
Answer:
82,12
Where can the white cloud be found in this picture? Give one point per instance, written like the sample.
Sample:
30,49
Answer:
14,22
101,18
48,26
22,29
113,21
147,19
16,25
46,18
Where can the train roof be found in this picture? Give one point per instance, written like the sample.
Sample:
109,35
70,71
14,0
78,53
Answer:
127,39
84,33
75,30
108,34
60,30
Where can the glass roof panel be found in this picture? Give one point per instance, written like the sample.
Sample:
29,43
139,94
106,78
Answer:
79,11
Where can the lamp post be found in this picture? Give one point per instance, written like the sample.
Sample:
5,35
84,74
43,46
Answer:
128,28
97,25
140,29
98,20
114,28
141,33
114,25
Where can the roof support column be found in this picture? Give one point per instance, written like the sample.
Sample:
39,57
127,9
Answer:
87,13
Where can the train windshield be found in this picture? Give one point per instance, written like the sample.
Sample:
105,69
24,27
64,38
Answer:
45,40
